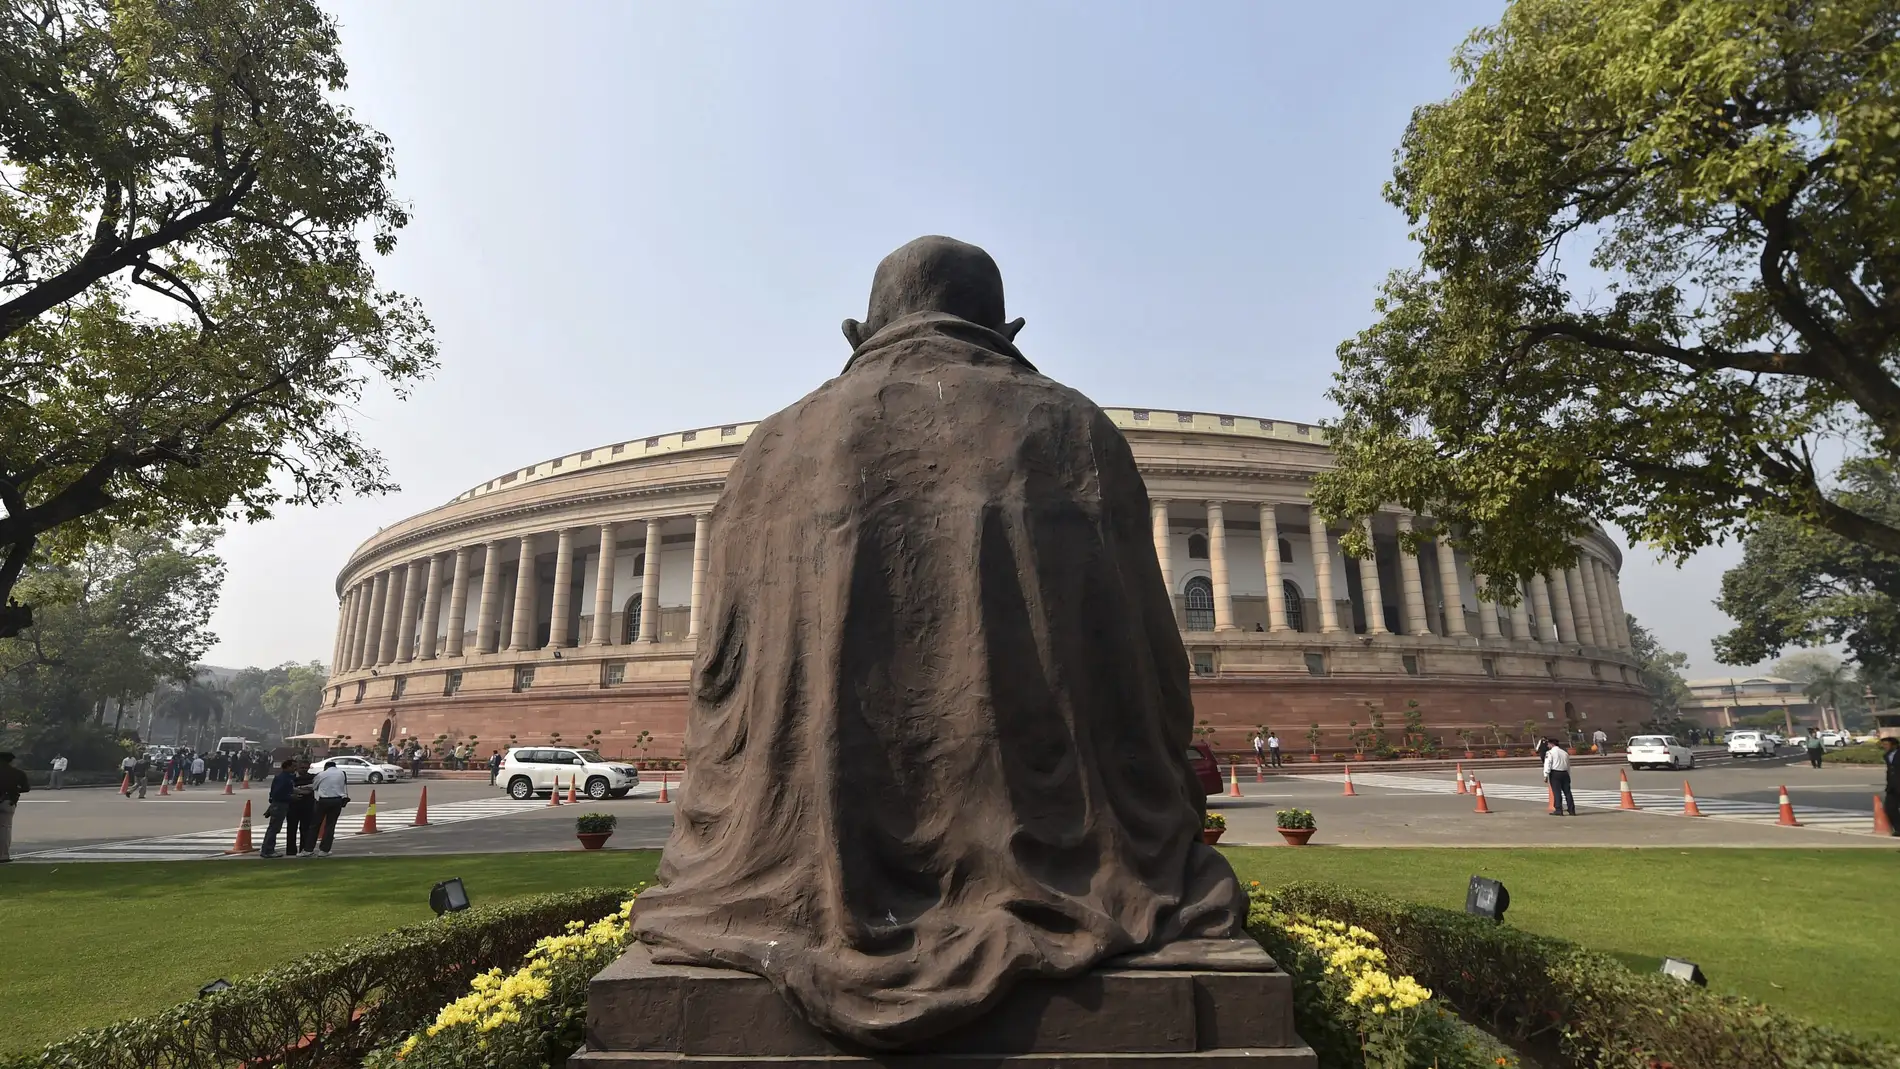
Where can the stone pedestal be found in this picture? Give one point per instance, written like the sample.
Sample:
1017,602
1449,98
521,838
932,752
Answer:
1212,1003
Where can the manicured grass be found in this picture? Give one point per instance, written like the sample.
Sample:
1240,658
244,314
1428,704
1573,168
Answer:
92,943
1807,931
1810,932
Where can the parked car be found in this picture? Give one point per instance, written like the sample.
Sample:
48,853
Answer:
1206,770
527,771
1832,739
1775,737
1660,751
359,769
1750,744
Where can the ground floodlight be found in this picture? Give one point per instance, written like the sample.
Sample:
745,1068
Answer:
215,986
1487,898
448,897
1686,971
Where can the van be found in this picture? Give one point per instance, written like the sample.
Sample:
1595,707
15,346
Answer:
236,743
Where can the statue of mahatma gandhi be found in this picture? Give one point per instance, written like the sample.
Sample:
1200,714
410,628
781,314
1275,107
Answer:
936,798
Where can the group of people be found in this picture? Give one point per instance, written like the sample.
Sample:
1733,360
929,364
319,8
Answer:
1266,749
304,807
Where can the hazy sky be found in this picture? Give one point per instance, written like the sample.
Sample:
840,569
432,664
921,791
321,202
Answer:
634,218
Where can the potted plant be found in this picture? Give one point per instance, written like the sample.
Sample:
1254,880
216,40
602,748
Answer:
1313,737
1464,736
1212,825
1296,826
593,829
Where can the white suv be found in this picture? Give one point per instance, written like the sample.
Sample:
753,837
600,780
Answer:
1659,751
1750,744
527,771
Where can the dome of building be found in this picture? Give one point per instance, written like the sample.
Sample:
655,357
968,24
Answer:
492,617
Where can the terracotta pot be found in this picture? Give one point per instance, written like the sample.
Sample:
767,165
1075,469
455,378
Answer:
1359,757
593,840
1504,753
1469,756
1210,836
1297,836
1313,757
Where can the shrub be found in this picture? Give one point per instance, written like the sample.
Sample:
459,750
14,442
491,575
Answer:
1294,818
1214,820
596,822
1865,753
1544,993
534,1016
329,1009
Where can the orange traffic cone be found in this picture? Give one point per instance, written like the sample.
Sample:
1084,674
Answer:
663,787
1349,792
554,794
227,783
125,785
247,780
164,788
1260,773
1233,788
1689,808
1461,781
243,844
369,817
1550,797
1882,826
422,809
573,790
1478,789
1628,800
1786,818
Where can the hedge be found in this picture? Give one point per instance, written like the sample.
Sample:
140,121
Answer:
329,1009
1545,994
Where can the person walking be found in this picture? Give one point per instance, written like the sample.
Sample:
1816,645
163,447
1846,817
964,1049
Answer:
1273,748
1602,742
415,762
1259,750
141,770
283,791
333,793
1890,755
494,767
13,784
1557,774
198,771
1816,748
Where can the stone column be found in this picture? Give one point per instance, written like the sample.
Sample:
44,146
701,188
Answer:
1371,597
366,615
1623,636
346,622
1521,617
458,605
702,523
1546,615
521,635
487,624
1612,621
1560,607
1164,545
392,614
1593,594
1580,607
650,586
1487,611
1217,565
563,588
406,618
1448,586
1270,557
1322,571
431,608
1416,622
604,589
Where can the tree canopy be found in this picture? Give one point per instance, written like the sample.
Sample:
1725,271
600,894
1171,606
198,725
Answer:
1659,244
188,307
1660,670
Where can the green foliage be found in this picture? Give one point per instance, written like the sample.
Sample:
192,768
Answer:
188,307
279,701
1864,753
1294,818
1534,990
596,822
396,981
1658,249
1660,670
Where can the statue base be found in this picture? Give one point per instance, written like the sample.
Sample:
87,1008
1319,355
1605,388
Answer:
1197,1003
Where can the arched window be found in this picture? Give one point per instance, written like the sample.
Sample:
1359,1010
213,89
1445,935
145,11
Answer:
1197,546
632,629
1200,604
1295,605
1286,552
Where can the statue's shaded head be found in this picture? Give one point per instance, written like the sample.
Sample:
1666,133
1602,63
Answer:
935,274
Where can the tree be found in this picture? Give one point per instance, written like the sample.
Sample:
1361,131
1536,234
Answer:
293,703
1729,172
195,704
1660,671
187,310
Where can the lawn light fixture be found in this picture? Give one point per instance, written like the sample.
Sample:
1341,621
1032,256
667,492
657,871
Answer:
1487,898
448,897
1686,971
215,986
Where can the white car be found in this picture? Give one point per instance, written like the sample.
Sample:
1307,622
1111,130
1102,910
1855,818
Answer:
1776,738
1750,744
359,769
1834,739
1659,751
527,771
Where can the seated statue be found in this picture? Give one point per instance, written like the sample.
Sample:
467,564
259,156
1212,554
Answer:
940,706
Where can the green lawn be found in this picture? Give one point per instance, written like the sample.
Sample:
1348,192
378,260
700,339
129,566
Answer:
103,941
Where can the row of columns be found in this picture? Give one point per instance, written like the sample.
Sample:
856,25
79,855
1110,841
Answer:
1579,604
394,615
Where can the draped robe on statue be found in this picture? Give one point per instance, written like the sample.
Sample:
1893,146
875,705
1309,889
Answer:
940,703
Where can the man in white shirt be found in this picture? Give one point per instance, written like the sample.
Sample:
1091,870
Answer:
333,793
1557,774
57,780
127,766
198,770
1273,748
1602,741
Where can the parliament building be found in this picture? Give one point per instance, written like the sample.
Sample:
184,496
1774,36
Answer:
565,597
